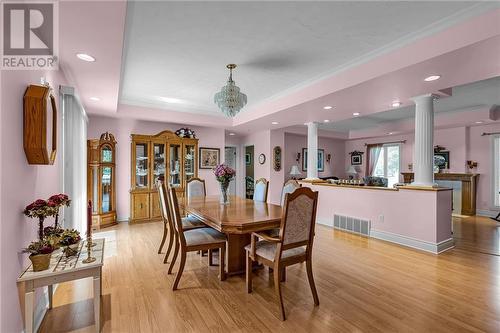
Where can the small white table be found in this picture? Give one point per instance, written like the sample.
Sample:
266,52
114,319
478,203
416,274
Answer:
63,269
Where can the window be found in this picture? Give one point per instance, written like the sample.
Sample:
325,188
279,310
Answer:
496,171
388,163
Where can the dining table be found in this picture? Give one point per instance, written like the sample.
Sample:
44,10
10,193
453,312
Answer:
237,219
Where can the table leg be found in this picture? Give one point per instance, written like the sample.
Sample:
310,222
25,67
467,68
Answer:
97,303
50,292
29,303
236,257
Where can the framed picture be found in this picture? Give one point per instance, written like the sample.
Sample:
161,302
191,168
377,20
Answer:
209,157
356,157
442,159
321,159
248,159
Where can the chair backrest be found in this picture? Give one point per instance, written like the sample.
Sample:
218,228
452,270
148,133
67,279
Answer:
164,203
289,186
176,214
260,191
195,187
299,219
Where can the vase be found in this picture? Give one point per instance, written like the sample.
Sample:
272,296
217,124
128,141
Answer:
224,196
40,262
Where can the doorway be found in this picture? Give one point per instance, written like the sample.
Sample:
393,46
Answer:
249,172
230,161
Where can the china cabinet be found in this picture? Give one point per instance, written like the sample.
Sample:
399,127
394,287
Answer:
101,186
165,156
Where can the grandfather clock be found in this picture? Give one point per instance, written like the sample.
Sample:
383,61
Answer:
101,187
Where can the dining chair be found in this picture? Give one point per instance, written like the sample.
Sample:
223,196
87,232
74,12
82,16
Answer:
293,245
193,240
289,186
188,223
260,190
195,187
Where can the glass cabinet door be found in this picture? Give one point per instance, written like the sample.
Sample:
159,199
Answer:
175,165
141,165
95,189
158,161
189,161
106,193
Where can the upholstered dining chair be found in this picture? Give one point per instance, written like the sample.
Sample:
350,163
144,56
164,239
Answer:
200,239
289,186
188,223
260,190
293,245
195,187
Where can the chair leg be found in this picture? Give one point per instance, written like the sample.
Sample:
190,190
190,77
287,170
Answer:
283,274
311,281
181,269
222,262
170,243
163,238
249,272
277,286
176,251
210,258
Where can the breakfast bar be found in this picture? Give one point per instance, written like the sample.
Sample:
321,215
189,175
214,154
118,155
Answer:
418,217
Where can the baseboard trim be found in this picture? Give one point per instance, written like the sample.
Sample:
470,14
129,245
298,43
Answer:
486,212
326,222
434,248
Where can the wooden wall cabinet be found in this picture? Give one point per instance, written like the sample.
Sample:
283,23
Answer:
163,155
101,186
40,125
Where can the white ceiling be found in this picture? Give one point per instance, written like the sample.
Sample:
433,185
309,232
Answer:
466,97
179,50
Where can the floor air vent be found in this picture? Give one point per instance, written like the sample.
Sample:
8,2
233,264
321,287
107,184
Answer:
351,224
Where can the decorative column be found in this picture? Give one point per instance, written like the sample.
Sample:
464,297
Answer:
312,150
423,158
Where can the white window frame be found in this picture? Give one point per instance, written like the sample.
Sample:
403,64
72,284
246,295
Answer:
495,164
384,154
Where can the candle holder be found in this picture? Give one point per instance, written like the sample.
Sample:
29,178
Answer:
89,252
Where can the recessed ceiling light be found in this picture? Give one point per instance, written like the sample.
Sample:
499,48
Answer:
479,122
232,134
328,107
85,57
432,78
396,104
170,100
390,133
275,123
355,114
326,121
95,99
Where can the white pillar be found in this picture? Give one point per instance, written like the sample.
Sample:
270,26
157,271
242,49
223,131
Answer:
423,158
312,150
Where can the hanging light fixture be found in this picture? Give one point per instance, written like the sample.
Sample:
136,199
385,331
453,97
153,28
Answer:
229,99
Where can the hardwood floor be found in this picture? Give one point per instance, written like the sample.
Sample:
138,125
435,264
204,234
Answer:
364,285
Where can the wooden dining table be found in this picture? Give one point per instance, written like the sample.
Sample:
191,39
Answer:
237,220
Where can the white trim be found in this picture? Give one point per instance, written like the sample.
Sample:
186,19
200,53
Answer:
486,212
495,168
323,221
412,242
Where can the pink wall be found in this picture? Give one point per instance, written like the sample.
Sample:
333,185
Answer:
21,184
262,145
122,128
336,147
463,143
401,210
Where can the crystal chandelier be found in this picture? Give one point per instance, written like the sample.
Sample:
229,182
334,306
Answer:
229,99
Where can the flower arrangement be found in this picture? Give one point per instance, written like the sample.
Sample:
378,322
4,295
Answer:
57,201
70,237
42,209
224,173
39,247
185,133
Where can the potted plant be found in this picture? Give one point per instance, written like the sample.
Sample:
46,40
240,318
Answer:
40,209
57,201
40,252
53,236
70,239
224,174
